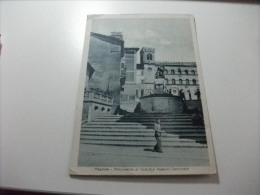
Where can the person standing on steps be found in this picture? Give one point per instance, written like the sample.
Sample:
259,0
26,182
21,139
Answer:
181,94
189,94
158,134
197,93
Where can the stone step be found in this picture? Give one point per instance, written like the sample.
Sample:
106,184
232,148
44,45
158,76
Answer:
138,124
156,114
116,129
141,120
111,117
151,119
113,127
108,120
124,138
142,144
163,127
131,134
197,139
157,117
136,134
181,127
186,132
151,139
144,130
144,133
169,123
113,123
190,133
202,135
136,130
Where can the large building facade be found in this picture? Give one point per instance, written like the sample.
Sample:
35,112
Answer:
179,76
119,78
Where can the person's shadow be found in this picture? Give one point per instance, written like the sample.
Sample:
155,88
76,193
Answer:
149,150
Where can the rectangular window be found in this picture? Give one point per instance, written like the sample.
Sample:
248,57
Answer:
124,97
130,76
131,97
129,63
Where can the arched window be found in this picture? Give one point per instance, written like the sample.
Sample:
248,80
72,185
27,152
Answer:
194,82
102,109
167,81
180,81
186,72
193,72
149,57
187,82
172,72
108,110
96,107
149,69
165,71
173,81
179,70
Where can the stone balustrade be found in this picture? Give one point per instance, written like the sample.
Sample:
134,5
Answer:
98,97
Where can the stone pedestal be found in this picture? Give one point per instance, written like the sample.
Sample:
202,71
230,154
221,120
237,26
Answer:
161,103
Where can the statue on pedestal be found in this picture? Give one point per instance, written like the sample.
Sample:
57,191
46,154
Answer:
160,72
159,83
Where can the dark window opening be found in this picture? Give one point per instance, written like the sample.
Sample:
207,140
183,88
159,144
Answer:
194,82
149,57
142,93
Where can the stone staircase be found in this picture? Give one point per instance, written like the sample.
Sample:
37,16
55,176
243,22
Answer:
136,130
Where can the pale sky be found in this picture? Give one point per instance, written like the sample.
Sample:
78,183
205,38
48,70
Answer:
171,38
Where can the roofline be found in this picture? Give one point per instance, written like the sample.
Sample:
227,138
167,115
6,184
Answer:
106,38
132,48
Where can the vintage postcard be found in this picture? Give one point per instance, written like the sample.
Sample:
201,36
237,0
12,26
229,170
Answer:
141,107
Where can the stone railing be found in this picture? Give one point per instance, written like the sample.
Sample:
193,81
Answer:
98,97
186,63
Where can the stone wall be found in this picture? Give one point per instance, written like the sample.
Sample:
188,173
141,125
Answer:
161,104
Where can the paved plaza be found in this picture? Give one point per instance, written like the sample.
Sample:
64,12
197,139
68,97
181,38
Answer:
114,156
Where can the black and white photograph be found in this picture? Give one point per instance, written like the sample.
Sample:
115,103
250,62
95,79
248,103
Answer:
141,103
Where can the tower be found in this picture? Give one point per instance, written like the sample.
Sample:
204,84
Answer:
147,55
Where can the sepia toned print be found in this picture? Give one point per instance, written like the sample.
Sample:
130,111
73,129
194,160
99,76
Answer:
141,106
